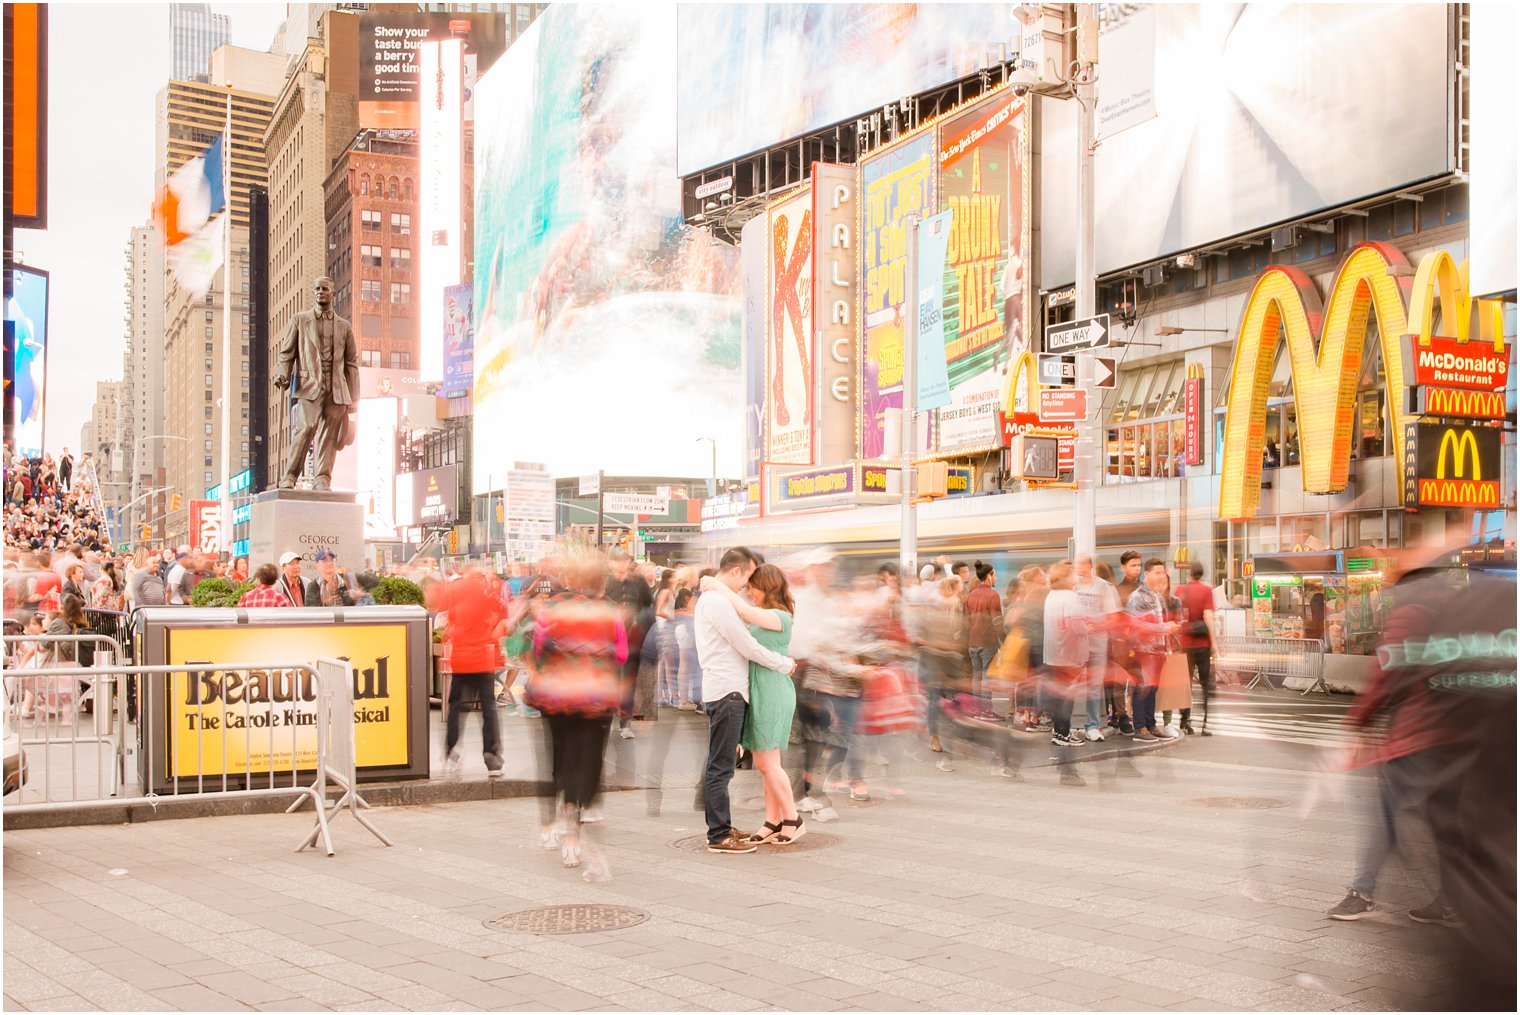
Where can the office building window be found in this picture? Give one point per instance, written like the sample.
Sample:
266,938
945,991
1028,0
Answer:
401,292
401,360
208,316
369,290
369,256
371,219
401,224
401,257
369,358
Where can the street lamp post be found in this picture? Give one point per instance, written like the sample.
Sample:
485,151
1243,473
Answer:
137,472
1085,506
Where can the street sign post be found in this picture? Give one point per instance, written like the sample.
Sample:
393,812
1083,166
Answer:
635,504
1083,333
1056,371
1063,405
1105,373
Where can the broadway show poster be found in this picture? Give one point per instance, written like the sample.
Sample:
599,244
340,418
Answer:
895,183
983,180
789,345
236,720
458,341
601,320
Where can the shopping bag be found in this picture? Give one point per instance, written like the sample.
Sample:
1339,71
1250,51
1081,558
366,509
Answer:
1011,664
1175,689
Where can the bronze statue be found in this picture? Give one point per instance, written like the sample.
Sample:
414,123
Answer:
319,345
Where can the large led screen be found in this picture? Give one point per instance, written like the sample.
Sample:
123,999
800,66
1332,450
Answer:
754,75
1264,113
606,332
26,315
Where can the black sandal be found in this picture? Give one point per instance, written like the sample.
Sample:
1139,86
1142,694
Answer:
787,840
769,836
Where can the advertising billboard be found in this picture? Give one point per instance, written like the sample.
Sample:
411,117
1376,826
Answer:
1452,465
376,447
789,342
441,238
753,259
754,75
26,321
528,504
390,60
458,341
1241,140
428,497
983,180
895,182
206,526
836,294
600,320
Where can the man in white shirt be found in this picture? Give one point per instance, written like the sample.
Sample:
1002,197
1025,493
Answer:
725,648
1099,602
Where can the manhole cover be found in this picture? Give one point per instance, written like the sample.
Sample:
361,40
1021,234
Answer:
812,840
574,919
1237,803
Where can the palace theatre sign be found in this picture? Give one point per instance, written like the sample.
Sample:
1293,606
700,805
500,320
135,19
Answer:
1447,427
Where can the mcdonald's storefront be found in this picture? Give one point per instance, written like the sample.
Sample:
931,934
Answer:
1379,418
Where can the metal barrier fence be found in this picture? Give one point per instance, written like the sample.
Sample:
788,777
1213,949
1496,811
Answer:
1299,660
184,756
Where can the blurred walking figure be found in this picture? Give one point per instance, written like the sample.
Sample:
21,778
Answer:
1099,602
984,623
477,622
1027,616
1066,650
726,648
1196,639
1150,627
768,609
628,590
579,650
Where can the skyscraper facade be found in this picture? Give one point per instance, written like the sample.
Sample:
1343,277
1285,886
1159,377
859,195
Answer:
195,32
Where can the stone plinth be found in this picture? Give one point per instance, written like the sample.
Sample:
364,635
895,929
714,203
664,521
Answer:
306,521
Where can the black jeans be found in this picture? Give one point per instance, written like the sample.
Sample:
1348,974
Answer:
577,749
1061,689
474,686
725,721
1201,663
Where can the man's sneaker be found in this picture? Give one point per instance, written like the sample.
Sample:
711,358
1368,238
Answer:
591,816
1126,728
626,732
733,844
1094,735
1039,727
1004,772
1353,907
943,764
451,763
1436,913
827,814
807,805
1067,741
494,764
1146,735
1163,733
1072,779
687,706
1170,732
989,716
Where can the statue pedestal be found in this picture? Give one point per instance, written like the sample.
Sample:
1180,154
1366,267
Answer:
306,521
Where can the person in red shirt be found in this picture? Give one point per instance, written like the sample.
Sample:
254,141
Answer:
267,592
477,621
1195,639
984,619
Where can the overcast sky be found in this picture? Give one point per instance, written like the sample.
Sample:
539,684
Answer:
106,64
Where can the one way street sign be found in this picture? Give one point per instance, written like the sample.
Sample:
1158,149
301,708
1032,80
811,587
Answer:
1089,333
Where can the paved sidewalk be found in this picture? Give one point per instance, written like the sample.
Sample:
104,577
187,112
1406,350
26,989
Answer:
1182,888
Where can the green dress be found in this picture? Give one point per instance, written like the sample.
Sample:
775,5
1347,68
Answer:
772,697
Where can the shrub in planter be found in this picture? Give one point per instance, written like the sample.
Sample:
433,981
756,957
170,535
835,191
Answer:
393,591
219,592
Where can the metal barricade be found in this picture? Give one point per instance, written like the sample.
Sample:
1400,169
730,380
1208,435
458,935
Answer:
1295,661
139,753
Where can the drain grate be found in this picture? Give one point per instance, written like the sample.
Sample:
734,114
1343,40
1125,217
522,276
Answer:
1236,803
811,841
570,919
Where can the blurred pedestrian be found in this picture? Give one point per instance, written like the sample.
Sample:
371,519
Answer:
1150,629
1099,603
1197,640
328,588
267,591
476,624
985,633
628,590
1067,625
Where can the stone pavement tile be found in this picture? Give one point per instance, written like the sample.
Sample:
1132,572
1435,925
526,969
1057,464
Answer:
26,984
290,1004
415,998
145,975
1403,985
198,967
246,988
194,997
64,1002
1263,970
317,988
826,987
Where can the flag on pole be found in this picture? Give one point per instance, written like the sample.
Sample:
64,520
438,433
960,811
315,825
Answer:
193,239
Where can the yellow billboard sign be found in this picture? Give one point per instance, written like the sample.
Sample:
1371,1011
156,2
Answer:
1325,345
223,719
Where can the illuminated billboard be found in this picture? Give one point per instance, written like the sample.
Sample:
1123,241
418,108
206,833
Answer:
895,182
606,332
440,148
428,498
376,447
983,180
789,344
390,59
458,341
26,321
754,75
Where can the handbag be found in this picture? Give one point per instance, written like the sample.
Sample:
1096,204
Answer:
1175,688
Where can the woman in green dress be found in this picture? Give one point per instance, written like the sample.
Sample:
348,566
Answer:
768,610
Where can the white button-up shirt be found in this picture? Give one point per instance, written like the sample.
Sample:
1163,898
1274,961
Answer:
725,648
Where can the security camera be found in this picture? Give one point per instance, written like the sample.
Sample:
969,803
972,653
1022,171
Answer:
1023,81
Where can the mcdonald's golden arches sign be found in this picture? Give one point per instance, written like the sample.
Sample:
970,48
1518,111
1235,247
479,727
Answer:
1451,465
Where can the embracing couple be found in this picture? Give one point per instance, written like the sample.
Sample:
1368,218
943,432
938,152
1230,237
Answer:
743,629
